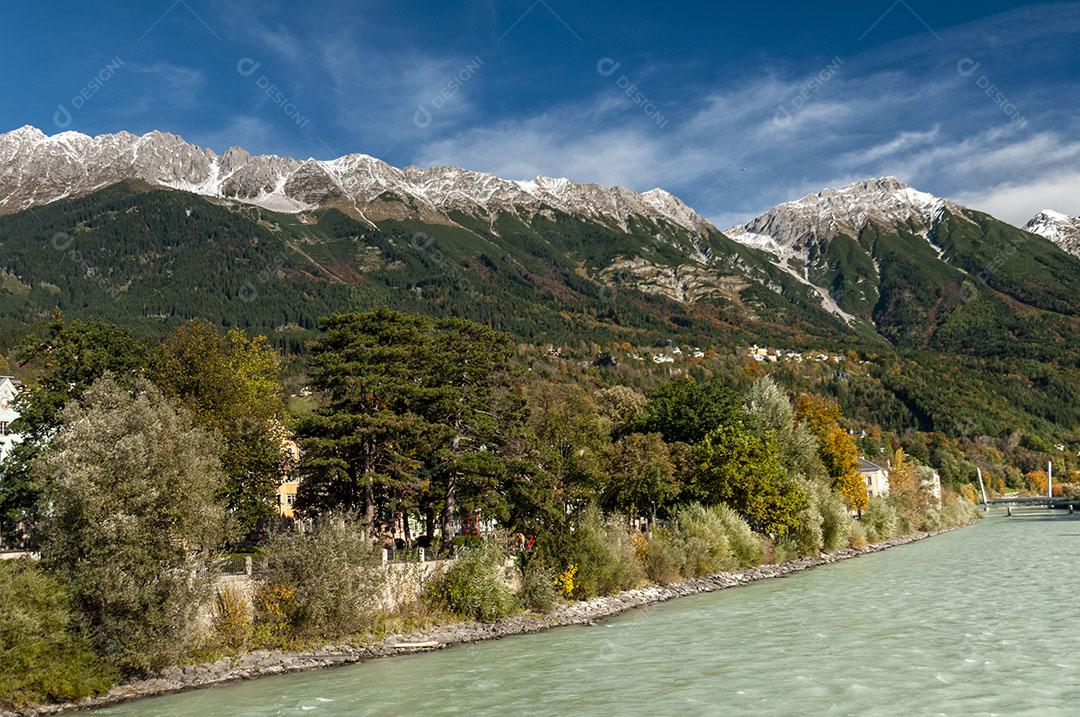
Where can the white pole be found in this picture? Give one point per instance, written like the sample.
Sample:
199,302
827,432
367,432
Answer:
1049,479
982,488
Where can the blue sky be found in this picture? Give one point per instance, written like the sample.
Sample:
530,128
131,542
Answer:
734,107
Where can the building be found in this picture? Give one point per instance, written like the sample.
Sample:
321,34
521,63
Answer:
9,389
876,477
290,483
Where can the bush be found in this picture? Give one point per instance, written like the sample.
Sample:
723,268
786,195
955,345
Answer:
932,520
233,623
880,520
807,534
782,550
958,510
836,523
747,546
857,537
473,587
665,557
538,590
326,583
704,536
43,657
603,552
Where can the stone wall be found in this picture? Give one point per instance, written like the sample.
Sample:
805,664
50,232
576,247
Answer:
405,582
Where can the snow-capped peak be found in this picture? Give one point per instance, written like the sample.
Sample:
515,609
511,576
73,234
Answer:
819,217
36,169
1059,228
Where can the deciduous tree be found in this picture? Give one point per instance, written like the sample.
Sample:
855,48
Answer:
129,486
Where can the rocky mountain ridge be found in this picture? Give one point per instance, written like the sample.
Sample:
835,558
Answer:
1059,228
36,169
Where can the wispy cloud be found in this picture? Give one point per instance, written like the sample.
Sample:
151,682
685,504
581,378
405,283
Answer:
906,110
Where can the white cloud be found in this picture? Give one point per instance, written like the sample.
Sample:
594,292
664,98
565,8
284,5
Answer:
1017,203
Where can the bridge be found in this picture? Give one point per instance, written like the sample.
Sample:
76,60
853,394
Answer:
1031,501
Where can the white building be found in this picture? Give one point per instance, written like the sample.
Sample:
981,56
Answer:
9,389
876,477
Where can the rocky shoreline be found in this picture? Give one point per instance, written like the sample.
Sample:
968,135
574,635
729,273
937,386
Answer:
262,663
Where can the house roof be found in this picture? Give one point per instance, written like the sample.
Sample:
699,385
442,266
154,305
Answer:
866,466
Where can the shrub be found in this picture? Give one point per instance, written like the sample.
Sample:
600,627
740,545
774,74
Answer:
232,620
538,589
473,587
807,534
931,520
665,557
603,552
326,582
958,510
880,520
782,550
747,546
857,537
43,657
705,541
836,523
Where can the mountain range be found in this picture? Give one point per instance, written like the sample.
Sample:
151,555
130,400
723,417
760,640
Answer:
150,231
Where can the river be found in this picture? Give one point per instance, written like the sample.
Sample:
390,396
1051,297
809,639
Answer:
978,621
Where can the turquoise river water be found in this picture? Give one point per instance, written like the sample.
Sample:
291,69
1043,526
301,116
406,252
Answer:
978,621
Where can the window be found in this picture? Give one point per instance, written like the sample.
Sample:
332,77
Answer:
289,499
3,428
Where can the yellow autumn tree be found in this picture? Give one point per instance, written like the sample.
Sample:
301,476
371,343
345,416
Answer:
1036,482
836,448
906,489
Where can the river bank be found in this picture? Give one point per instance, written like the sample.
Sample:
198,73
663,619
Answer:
265,663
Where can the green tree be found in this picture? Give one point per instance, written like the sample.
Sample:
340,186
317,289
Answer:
470,366
567,437
741,468
360,445
232,385
641,476
130,517
68,358
686,410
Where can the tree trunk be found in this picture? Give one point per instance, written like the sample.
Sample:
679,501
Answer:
449,512
369,503
429,523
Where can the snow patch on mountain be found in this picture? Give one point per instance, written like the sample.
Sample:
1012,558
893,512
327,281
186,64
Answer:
37,169
1059,228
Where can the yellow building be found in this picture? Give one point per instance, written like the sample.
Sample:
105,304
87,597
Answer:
286,492
286,496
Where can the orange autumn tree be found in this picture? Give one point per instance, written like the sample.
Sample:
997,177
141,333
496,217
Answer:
906,489
836,448
1036,482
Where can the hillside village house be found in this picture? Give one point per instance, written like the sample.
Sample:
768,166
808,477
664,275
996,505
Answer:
876,477
9,389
